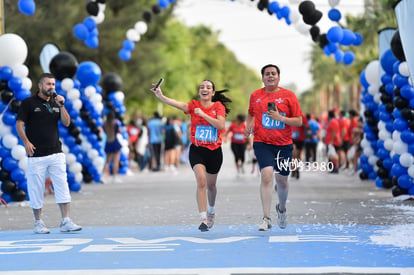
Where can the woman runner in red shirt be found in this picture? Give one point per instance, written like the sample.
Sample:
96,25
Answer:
206,157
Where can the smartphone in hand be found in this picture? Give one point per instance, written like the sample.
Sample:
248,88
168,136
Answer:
159,83
271,106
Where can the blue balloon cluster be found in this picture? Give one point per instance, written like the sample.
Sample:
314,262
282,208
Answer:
281,12
337,36
87,32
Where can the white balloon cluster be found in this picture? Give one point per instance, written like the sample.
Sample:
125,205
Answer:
133,35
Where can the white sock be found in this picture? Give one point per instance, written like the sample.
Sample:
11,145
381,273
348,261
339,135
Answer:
66,219
210,209
203,215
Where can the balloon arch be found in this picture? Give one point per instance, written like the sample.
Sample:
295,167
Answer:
388,98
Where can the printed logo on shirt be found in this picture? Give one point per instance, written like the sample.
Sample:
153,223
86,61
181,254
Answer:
37,109
279,100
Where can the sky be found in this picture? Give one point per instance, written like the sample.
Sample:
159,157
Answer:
258,39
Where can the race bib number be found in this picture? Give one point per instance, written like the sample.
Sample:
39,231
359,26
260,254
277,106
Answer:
269,123
295,134
238,136
206,133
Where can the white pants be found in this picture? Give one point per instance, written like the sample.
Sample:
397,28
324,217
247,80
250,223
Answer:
37,168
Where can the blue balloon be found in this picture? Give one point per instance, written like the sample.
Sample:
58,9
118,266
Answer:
88,73
387,61
389,88
6,73
400,80
125,55
407,92
363,80
128,45
339,55
75,186
9,163
4,152
378,182
335,34
407,136
405,181
387,163
163,3
80,31
15,83
18,174
27,7
358,39
274,6
349,57
397,170
9,118
386,78
400,124
89,23
284,12
348,37
6,197
385,116
334,14
92,42
397,114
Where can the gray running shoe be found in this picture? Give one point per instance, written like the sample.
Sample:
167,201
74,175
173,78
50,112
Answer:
210,219
40,228
266,224
69,226
281,217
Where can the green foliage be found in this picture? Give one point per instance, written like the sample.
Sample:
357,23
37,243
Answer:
183,56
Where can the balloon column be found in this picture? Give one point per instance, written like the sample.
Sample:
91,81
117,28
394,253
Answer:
87,31
14,87
133,35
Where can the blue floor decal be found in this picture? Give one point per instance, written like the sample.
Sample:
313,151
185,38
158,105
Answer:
176,247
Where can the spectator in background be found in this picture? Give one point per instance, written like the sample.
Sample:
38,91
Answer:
298,138
344,125
156,137
172,141
112,146
238,141
143,148
311,138
133,133
333,140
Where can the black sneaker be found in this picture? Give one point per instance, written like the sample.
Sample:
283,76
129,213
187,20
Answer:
203,227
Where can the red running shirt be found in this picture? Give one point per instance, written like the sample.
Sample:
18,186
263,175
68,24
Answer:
266,129
203,133
238,132
333,125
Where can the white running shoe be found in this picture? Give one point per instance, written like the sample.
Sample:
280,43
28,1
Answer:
210,219
281,217
40,228
266,224
69,226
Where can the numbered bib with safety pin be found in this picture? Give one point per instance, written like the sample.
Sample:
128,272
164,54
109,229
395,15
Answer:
206,133
269,123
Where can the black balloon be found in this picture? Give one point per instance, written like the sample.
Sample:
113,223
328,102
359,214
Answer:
363,176
396,46
15,105
397,91
407,113
306,7
147,16
92,8
323,40
63,65
315,31
313,18
6,96
386,98
387,183
397,191
111,82
389,107
262,4
8,186
156,9
382,173
19,195
400,102
4,175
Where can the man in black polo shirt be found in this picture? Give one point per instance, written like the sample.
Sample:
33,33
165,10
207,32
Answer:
37,126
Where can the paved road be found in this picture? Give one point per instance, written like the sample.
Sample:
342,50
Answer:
148,225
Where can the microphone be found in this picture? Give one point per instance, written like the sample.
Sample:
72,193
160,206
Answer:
54,95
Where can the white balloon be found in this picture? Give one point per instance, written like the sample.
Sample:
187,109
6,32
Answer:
365,143
78,177
372,160
65,148
372,73
396,136
23,163
410,171
73,94
377,98
333,3
389,144
89,91
406,159
4,129
96,98
75,167
373,89
403,69
98,162
9,141
99,107
302,28
368,151
141,27
101,7
70,159
77,104
119,96
20,70
294,16
13,50
18,152
67,84
400,147
125,150
385,135
133,35
93,154
99,18
26,83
